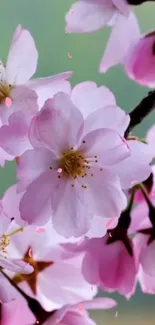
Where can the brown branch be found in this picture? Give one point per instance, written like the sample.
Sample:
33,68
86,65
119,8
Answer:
146,106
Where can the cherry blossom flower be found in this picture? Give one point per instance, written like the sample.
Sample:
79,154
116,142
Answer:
54,281
72,315
111,252
98,105
125,34
134,51
91,15
9,262
12,313
26,96
77,193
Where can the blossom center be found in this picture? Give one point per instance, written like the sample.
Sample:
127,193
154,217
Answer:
5,240
5,91
72,163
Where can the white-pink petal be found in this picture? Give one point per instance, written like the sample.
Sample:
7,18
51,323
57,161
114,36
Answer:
22,58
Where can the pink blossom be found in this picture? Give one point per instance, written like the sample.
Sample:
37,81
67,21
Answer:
98,105
108,264
55,281
71,315
7,262
12,313
145,246
91,15
25,96
127,46
77,193
140,61
146,281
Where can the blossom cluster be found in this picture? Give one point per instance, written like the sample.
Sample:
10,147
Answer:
81,216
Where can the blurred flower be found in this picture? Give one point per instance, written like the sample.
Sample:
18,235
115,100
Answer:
91,15
26,96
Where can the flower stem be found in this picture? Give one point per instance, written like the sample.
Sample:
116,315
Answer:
137,115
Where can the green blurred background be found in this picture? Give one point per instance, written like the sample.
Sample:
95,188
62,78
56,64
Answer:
45,20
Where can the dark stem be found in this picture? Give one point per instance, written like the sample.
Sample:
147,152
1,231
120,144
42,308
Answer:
138,114
138,2
40,314
125,219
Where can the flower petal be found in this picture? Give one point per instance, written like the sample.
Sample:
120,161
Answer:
22,57
70,217
103,195
32,164
124,34
105,144
136,167
88,16
35,206
111,117
59,114
47,87
87,97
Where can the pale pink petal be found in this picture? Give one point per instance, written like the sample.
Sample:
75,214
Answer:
22,57
137,166
24,100
146,281
14,137
124,34
89,16
87,97
122,6
35,207
4,156
32,164
10,203
99,303
12,313
139,217
107,145
60,114
7,292
111,117
47,87
34,136
100,225
14,265
147,259
150,138
104,185
67,202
